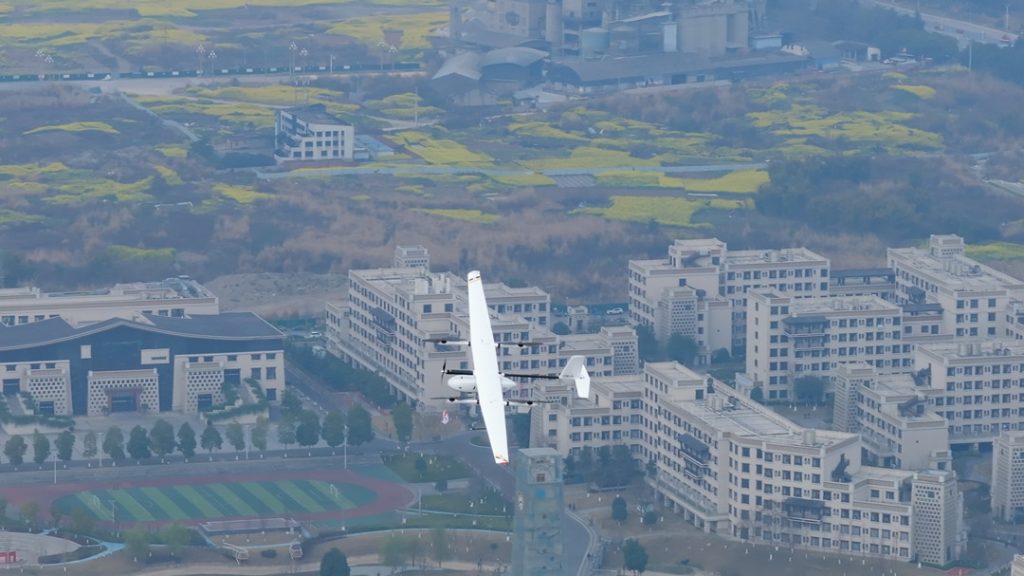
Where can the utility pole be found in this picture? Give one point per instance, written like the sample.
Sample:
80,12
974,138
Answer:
55,467
346,447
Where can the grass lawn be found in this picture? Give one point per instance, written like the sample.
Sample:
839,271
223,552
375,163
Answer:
490,503
438,467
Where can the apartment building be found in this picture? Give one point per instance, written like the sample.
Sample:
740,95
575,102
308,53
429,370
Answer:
611,416
173,297
393,314
1008,476
975,386
734,467
310,133
898,427
721,278
974,297
788,338
879,282
1017,566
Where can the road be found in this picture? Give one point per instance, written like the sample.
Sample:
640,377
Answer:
962,30
456,170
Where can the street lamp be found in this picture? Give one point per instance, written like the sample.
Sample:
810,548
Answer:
200,54
292,49
212,57
346,447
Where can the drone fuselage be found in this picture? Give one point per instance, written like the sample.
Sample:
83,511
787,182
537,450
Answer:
467,384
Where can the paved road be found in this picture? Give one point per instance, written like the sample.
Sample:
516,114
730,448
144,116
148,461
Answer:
456,170
962,30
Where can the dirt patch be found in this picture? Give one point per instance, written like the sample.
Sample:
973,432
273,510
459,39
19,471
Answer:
279,295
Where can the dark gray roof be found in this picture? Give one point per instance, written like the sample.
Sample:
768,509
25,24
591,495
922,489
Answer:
693,444
821,50
466,64
855,272
227,326
516,55
43,331
610,69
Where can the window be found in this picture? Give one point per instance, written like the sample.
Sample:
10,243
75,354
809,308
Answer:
271,373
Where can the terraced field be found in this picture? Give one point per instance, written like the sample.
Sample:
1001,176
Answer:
185,502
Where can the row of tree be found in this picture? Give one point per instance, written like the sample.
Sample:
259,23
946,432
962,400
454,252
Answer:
605,467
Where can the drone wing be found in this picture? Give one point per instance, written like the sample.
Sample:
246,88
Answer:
485,369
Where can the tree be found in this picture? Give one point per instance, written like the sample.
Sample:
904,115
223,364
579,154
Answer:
682,349
138,443
333,429
65,445
620,512
175,537
82,521
334,563
421,466
211,440
113,444
187,440
15,449
29,511
440,548
721,356
40,448
286,432
561,329
650,518
441,485
360,426
258,434
291,404
757,394
402,417
809,388
647,344
56,513
307,433
235,436
161,438
89,445
137,543
634,556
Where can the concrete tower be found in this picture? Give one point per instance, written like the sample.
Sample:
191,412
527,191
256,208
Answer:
540,501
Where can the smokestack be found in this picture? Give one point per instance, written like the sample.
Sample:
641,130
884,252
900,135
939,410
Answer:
553,26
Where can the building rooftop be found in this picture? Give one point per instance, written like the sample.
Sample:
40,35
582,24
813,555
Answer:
617,69
741,257
834,304
955,272
861,272
314,114
974,349
169,289
227,326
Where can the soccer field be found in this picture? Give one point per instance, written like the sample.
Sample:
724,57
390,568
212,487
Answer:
217,500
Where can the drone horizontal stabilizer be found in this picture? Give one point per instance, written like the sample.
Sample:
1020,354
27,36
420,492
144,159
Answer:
576,370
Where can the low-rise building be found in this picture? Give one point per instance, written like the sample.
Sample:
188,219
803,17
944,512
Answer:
310,133
1008,477
150,364
610,417
174,297
879,282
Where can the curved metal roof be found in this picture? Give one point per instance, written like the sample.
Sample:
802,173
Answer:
466,64
516,55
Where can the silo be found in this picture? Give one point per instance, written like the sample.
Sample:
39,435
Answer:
593,41
553,26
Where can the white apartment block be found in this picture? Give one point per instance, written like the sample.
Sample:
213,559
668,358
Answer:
310,133
974,297
891,413
392,314
174,297
732,466
792,337
721,279
976,386
1008,477
611,416
1017,566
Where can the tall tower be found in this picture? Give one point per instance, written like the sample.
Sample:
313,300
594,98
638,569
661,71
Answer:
537,525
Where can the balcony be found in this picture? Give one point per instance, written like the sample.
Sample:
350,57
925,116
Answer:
803,511
687,495
805,325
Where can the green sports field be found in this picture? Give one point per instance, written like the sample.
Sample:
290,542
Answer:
218,500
